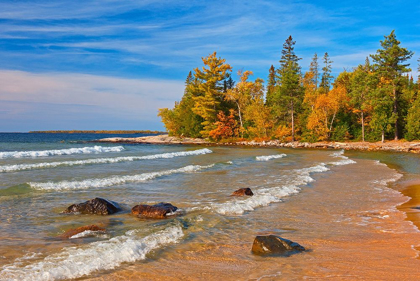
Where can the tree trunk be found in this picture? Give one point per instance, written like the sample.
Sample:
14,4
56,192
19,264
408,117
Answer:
332,121
293,125
240,120
383,136
395,111
363,127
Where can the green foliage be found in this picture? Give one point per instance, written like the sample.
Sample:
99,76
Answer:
413,121
389,66
370,102
326,74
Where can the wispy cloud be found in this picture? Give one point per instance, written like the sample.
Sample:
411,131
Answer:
156,43
130,99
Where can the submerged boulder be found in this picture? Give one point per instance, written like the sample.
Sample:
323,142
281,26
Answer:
97,206
242,192
157,211
71,232
271,244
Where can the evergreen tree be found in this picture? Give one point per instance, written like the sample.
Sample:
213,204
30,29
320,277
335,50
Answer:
413,121
181,120
271,85
390,66
363,82
418,75
228,84
314,68
326,75
208,90
290,91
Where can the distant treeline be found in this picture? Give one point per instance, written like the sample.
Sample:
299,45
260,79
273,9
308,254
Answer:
97,132
376,100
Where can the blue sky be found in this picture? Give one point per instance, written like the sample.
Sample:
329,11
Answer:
112,64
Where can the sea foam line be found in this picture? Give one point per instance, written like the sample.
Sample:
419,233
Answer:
54,152
265,196
114,180
269,157
345,160
75,262
21,167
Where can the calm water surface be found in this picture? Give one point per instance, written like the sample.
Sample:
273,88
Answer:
337,205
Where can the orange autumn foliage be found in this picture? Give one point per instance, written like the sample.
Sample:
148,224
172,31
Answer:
226,126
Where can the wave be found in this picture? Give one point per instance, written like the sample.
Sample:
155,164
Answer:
345,160
265,196
269,157
54,152
21,167
114,180
90,233
75,262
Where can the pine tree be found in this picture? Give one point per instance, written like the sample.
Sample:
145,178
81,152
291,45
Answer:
326,75
389,64
290,91
363,82
208,90
271,85
418,75
314,68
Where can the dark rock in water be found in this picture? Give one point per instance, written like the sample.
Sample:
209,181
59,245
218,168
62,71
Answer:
97,206
72,232
242,192
157,211
271,244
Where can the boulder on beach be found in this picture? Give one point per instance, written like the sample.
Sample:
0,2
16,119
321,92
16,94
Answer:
71,232
271,244
242,192
157,211
97,206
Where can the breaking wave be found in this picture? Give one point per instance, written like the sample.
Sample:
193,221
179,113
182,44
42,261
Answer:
54,152
75,262
21,167
265,196
344,159
114,180
269,157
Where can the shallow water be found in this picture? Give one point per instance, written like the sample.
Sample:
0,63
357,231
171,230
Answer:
337,205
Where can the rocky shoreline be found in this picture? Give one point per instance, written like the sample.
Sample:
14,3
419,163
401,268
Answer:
393,146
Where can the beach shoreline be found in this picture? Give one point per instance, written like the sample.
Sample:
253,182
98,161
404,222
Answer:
392,146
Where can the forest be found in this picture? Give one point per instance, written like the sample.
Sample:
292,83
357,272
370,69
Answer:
375,101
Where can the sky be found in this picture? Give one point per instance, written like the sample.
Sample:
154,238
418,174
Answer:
110,65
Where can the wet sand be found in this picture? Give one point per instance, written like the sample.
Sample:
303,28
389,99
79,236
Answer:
411,189
352,232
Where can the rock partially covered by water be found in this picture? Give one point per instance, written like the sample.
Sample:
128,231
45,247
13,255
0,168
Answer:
97,206
72,232
242,192
157,211
271,244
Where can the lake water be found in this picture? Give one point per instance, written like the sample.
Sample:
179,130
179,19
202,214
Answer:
341,206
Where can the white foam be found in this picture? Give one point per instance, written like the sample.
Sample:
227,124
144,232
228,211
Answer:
345,160
54,152
266,196
114,180
75,262
269,157
377,162
89,233
20,167
384,182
